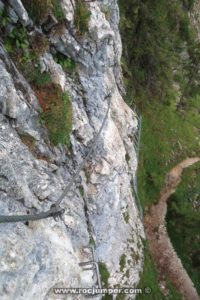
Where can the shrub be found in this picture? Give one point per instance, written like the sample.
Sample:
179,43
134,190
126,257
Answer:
81,18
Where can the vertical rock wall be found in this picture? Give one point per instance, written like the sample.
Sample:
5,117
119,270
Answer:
37,256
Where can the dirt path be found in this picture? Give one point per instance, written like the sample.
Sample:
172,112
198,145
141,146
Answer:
165,257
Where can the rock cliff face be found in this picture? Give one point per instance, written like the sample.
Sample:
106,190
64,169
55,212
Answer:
37,256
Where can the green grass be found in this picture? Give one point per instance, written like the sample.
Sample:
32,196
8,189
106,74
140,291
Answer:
41,79
154,34
67,63
167,138
23,48
57,112
183,222
40,9
81,18
104,274
104,278
149,278
56,107
57,10
120,297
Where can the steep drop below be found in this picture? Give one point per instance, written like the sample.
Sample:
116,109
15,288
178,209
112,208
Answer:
165,257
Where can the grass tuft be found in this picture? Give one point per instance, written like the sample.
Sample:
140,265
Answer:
81,18
57,110
40,9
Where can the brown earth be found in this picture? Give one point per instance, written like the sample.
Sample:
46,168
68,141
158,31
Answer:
167,262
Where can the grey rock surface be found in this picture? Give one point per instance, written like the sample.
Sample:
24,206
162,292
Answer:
20,11
39,256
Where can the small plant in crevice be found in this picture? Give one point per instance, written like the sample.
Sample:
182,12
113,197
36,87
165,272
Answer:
81,18
92,241
104,274
17,44
67,63
126,217
81,190
4,20
57,10
39,79
15,40
24,48
122,262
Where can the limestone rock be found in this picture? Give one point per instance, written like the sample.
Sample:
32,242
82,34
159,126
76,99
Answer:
39,256
20,11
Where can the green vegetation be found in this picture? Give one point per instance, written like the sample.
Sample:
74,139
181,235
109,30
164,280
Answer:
183,222
154,34
25,50
104,274
122,262
81,17
57,109
67,63
81,190
167,138
135,256
92,241
161,62
40,9
17,39
149,278
104,278
4,20
57,10
40,79
126,217
120,297
107,297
